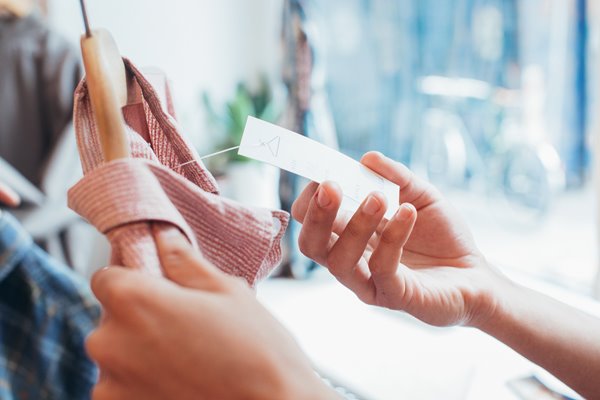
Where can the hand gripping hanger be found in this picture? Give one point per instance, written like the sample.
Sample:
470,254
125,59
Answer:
107,86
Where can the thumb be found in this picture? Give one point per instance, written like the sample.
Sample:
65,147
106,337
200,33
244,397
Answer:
413,189
181,263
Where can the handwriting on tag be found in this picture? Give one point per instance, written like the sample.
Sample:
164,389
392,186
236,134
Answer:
302,156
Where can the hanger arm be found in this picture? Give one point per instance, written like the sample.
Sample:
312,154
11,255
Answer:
107,86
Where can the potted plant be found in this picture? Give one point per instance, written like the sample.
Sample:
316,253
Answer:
245,180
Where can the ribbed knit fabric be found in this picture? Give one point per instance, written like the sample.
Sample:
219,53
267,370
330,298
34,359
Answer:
122,198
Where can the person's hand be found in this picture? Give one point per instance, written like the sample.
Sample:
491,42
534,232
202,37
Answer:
202,335
8,196
428,266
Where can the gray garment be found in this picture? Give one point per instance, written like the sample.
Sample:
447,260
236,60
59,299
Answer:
39,71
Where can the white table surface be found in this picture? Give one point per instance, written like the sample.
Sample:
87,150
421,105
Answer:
388,355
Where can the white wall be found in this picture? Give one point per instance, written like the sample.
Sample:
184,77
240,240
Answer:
202,45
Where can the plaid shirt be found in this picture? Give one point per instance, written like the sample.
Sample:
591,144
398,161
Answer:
45,314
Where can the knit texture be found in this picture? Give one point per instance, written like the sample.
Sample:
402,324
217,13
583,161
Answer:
123,198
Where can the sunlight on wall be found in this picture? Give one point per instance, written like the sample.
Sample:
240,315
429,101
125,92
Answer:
202,45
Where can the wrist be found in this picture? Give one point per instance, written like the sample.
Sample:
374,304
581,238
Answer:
294,381
493,291
322,391
496,296
311,388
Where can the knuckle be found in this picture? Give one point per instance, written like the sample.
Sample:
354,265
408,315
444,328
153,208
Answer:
100,350
100,391
305,246
99,280
175,254
354,228
366,297
124,292
93,344
331,261
119,292
109,389
315,216
334,262
374,266
389,236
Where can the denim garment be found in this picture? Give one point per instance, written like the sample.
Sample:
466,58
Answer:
46,312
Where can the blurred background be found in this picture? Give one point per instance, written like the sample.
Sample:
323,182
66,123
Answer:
494,101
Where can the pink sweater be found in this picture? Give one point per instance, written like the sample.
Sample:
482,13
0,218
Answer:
121,198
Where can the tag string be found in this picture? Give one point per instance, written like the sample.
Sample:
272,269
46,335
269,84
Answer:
235,148
209,155
216,154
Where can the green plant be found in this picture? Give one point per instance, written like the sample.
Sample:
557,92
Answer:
232,117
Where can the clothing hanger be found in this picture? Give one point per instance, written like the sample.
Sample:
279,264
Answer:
107,85
18,8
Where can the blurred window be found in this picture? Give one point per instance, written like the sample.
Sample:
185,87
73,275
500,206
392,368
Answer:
489,100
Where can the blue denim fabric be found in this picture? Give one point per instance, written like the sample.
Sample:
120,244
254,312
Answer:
45,314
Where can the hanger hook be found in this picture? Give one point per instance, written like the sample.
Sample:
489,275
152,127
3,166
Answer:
86,22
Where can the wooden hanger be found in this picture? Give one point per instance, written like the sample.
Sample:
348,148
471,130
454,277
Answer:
107,86
19,8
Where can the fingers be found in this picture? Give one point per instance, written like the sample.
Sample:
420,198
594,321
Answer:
108,390
388,168
102,283
385,259
105,346
350,247
181,263
302,203
118,288
412,189
100,345
113,388
391,286
8,196
318,221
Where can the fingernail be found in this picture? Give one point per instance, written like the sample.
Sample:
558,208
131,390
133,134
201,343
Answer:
168,234
372,205
323,198
405,211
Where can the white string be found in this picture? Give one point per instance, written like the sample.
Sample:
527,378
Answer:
216,154
209,155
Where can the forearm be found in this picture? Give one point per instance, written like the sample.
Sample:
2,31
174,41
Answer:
559,338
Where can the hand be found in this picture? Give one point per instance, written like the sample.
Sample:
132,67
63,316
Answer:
202,335
8,196
428,266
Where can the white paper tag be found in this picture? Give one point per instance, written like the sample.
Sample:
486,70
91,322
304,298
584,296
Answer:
302,156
